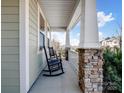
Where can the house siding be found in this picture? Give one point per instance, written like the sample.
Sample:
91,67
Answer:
10,79
35,57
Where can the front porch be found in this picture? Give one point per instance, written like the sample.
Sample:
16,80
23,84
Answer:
66,83
61,16
25,29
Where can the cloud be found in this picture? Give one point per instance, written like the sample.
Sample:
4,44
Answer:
104,18
74,42
74,39
100,33
58,36
101,36
78,34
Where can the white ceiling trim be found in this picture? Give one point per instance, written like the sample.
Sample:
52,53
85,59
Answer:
75,17
58,29
58,12
45,19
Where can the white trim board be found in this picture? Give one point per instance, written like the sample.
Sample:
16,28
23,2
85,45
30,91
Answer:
75,16
45,19
38,48
24,45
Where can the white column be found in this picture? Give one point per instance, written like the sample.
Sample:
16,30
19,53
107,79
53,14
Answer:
45,29
67,44
24,45
89,28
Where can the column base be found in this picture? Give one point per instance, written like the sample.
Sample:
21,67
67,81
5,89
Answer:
90,70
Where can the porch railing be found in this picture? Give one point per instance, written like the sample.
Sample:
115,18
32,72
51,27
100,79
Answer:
73,60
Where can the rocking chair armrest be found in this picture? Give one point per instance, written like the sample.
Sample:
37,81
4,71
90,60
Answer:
52,59
58,57
49,59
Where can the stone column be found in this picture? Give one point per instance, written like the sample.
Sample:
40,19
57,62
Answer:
90,70
67,45
90,56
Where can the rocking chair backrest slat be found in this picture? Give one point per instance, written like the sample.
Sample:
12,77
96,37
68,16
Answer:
51,52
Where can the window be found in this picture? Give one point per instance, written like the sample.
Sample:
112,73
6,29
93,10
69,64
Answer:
48,43
41,36
41,40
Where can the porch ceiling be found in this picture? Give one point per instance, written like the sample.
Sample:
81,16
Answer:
58,12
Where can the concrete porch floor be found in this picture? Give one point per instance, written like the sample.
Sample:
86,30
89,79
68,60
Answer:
65,83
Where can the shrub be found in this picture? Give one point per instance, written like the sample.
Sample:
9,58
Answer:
113,67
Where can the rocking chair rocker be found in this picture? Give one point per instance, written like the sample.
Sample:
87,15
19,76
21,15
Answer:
54,65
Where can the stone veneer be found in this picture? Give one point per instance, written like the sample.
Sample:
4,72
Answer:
90,70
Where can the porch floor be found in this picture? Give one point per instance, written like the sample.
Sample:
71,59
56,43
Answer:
65,83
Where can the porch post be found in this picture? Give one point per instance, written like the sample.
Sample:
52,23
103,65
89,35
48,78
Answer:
45,29
90,56
67,45
89,29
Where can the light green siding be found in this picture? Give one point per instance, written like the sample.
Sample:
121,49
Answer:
35,58
10,46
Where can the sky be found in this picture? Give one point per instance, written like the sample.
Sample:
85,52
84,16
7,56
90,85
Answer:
109,16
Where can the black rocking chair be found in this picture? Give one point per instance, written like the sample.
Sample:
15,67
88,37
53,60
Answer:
53,54
54,65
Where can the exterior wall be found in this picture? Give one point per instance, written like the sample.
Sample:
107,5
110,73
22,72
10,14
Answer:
35,57
115,43
111,43
10,78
